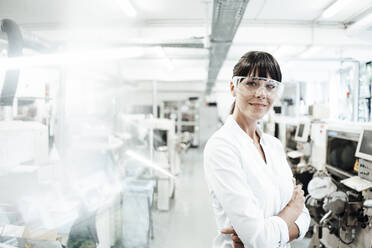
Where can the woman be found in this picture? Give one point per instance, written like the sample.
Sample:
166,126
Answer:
250,183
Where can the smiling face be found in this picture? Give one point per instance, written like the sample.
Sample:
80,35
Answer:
252,103
253,99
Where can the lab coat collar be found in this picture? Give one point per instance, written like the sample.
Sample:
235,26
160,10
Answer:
231,121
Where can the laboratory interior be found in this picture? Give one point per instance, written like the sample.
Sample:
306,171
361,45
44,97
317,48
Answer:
106,107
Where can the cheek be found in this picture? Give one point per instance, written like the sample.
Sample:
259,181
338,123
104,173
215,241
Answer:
270,103
242,101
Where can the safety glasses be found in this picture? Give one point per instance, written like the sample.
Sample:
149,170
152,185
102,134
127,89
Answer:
252,84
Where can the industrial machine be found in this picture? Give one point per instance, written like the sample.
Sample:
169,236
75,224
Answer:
340,196
300,156
285,129
165,156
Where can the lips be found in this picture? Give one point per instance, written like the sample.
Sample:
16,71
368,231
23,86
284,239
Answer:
258,104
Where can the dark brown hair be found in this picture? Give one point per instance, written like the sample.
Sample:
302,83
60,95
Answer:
259,64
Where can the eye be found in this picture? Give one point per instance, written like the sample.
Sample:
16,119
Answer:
271,86
251,83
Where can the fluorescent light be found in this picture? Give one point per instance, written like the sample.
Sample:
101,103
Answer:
362,23
148,163
70,58
127,7
336,7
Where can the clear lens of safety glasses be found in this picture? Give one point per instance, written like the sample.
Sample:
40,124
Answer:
252,84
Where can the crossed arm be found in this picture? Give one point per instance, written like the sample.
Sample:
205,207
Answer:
228,182
287,214
292,229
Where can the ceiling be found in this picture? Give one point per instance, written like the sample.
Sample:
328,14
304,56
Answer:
174,36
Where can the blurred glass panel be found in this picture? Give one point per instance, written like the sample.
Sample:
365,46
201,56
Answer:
364,100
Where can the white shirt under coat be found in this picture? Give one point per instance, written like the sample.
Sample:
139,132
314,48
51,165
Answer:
247,193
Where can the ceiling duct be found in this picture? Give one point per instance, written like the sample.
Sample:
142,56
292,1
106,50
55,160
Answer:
192,42
15,46
227,15
16,40
29,40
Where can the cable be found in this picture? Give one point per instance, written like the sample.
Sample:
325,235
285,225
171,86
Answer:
344,242
339,234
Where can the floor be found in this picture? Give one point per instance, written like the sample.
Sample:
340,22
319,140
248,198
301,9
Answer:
190,222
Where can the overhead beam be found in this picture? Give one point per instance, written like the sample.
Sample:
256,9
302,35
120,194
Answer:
226,18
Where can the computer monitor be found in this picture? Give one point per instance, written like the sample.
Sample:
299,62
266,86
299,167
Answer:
364,148
302,132
340,152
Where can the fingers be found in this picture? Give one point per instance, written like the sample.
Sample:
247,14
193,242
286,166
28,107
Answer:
298,190
238,245
233,235
298,194
228,231
298,187
235,238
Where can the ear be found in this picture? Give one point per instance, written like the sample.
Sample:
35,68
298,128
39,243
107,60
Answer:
232,89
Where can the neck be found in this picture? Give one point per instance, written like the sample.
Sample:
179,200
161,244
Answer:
247,124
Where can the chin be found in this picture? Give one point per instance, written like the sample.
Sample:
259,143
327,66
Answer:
258,116
255,115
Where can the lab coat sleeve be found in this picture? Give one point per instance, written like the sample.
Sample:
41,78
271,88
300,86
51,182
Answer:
227,180
303,222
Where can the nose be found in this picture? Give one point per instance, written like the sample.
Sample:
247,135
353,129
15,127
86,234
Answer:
261,92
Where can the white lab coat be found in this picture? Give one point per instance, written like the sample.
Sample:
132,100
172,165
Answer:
248,194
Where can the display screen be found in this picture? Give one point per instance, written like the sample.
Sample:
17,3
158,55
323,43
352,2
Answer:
160,138
301,130
366,146
340,153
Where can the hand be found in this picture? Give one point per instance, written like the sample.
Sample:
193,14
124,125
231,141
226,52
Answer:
294,207
235,238
297,201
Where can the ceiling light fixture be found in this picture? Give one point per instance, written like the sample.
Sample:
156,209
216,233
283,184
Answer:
362,23
69,58
127,7
334,8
